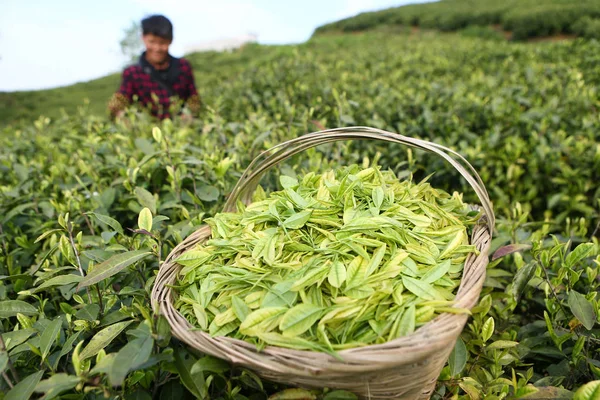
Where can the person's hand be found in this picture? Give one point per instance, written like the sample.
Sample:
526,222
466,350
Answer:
186,118
121,119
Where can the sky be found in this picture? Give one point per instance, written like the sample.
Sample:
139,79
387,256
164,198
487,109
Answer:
52,43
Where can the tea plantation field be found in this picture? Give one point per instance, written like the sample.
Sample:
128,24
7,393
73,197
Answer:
72,185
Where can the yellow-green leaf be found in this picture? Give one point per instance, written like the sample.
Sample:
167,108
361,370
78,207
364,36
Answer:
299,319
256,321
488,329
145,219
337,274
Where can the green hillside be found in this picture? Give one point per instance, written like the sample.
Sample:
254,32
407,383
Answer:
522,18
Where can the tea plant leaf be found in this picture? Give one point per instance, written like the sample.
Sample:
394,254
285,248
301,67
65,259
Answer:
437,272
458,358
89,312
56,384
49,336
10,308
297,220
287,182
293,394
340,395
337,274
378,196
502,344
210,364
113,223
145,219
407,322
103,339
3,360
60,280
255,321
299,319
589,391
488,329
112,266
145,198
582,309
582,251
521,279
25,388
419,288
193,382
240,308
130,357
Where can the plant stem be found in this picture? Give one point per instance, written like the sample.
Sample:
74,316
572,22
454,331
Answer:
591,237
78,259
7,379
10,364
100,300
551,286
89,224
174,167
4,245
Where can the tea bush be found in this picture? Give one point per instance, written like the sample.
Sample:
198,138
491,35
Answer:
72,188
524,18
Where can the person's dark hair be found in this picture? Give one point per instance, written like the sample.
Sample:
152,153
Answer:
158,25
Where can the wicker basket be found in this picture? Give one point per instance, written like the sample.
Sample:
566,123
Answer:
404,368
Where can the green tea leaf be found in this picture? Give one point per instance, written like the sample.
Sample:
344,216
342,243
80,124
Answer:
10,308
49,336
60,280
184,363
582,309
297,220
488,329
24,389
522,277
337,274
419,288
210,364
57,384
105,219
293,394
407,322
145,198
3,360
589,391
582,251
145,219
437,272
378,195
129,358
103,339
287,182
256,321
112,266
89,312
240,308
299,319
458,358
340,395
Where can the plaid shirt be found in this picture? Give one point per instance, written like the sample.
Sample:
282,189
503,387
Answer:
136,82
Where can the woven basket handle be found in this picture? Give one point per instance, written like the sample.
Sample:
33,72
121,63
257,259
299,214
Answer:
247,184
